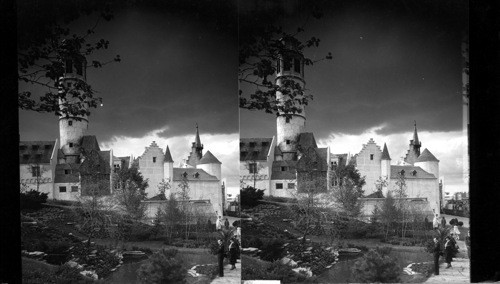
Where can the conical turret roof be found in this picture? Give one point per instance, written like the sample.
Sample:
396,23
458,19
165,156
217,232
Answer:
168,156
209,158
385,153
426,156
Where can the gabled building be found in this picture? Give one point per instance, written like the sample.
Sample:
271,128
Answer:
200,175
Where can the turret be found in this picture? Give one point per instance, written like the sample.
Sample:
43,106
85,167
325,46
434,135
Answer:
211,165
428,163
72,128
414,149
385,164
196,150
290,70
168,168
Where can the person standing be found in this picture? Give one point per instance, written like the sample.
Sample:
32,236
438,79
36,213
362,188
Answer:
238,233
220,254
437,253
218,224
456,231
448,251
232,253
467,243
435,222
443,222
226,224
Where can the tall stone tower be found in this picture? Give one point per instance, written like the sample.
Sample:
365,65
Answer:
196,150
290,70
72,128
414,151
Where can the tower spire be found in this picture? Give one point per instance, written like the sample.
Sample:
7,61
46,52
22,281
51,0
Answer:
415,135
197,140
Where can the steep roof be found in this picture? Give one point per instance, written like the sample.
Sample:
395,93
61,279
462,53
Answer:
71,177
96,158
306,140
415,135
254,149
289,173
209,158
426,156
408,172
35,152
168,156
89,142
190,175
197,139
313,157
385,153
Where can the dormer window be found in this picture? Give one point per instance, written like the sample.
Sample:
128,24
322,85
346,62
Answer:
47,147
184,175
243,155
284,169
67,172
22,147
414,173
26,156
196,175
34,147
38,157
70,122
252,144
265,143
402,172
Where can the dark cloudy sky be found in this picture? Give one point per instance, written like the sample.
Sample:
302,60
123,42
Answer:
392,65
178,68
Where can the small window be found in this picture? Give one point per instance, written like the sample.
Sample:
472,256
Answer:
296,65
287,120
265,143
35,171
74,189
70,123
62,189
78,67
288,142
185,175
287,64
34,147
154,159
71,145
284,169
371,157
69,66
291,185
243,155
252,144
252,168
402,172
47,147
279,185
414,173
196,175
67,172
38,157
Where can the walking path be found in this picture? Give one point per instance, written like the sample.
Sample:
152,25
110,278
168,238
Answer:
459,272
230,276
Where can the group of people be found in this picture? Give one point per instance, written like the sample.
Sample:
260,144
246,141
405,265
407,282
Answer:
450,245
441,222
233,247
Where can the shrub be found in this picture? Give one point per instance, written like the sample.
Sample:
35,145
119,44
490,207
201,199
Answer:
253,242
162,267
272,250
32,199
376,267
250,196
